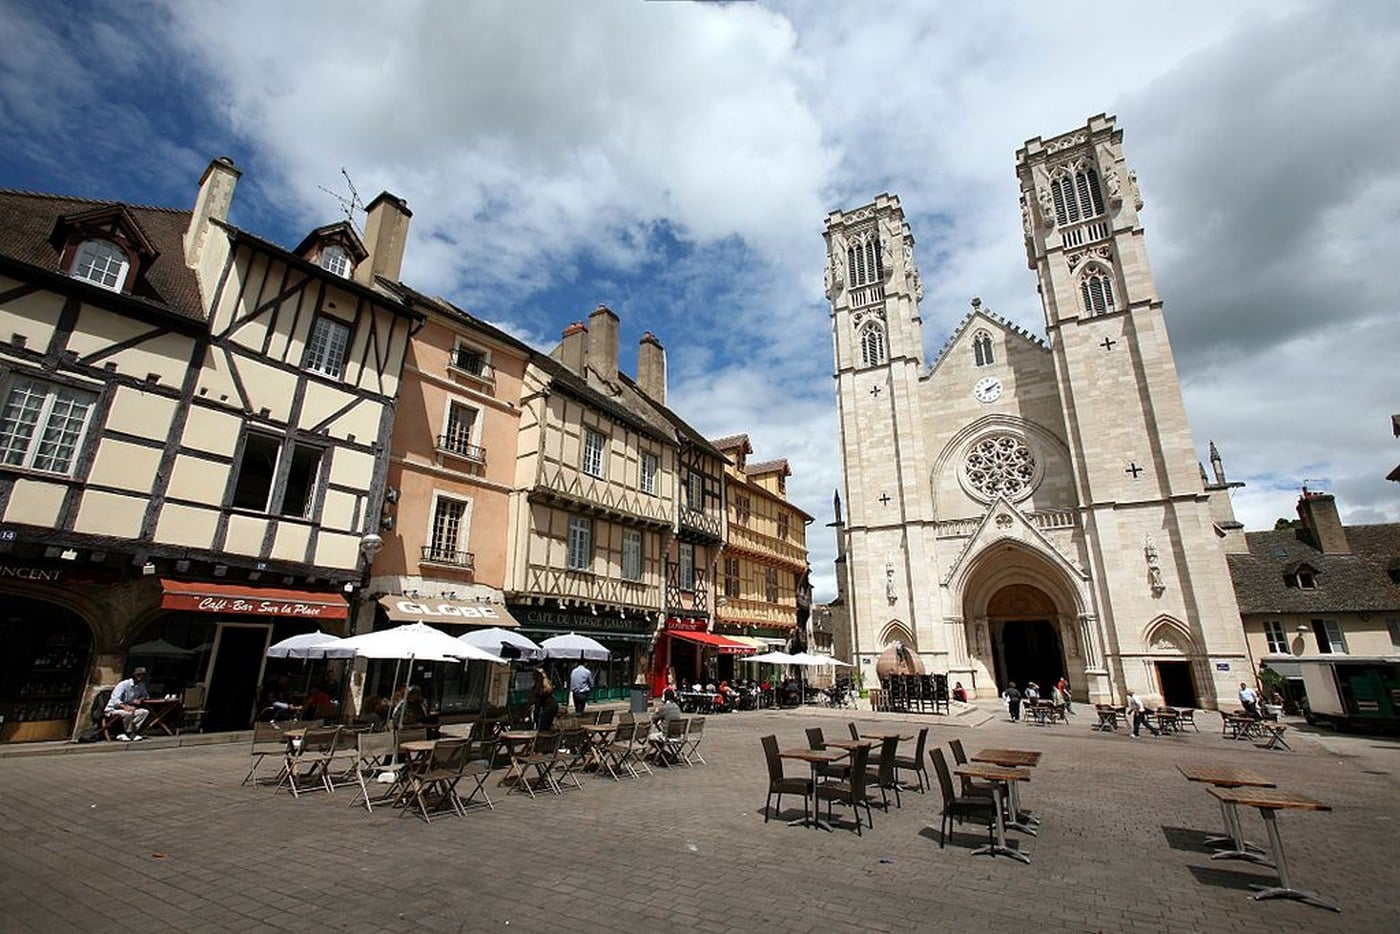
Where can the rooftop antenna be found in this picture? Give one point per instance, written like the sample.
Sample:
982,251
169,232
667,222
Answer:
348,205
1307,480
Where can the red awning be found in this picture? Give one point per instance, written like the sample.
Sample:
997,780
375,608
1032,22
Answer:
246,600
725,646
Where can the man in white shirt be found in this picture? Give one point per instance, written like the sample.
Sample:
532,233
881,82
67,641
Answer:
1137,712
1249,699
581,686
123,703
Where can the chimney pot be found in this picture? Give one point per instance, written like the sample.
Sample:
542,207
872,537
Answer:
602,346
1318,511
651,368
573,347
386,235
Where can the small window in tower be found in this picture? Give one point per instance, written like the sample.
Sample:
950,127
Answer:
1086,181
334,259
872,345
1096,288
103,263
1066,208
982,348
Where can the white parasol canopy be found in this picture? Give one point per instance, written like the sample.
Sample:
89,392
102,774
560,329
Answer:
413,641
495,639
812,660
771,658
310,645
575,646
158,648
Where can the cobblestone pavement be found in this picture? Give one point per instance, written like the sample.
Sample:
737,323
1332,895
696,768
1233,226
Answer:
166,839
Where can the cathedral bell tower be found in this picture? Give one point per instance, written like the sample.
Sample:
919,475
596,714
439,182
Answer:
878,345
1158,570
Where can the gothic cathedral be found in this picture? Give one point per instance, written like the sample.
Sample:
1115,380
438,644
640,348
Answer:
1023,508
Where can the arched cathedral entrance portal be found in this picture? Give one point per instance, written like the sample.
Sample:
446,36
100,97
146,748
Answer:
1026,643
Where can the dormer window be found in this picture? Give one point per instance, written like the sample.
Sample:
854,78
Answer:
103,263
334,259
1302,577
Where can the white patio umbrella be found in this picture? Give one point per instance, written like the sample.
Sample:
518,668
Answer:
811,660
414,642
310,645
574,645
158,648
771,658
495,639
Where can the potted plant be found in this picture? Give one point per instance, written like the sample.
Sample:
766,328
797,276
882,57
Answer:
1273,685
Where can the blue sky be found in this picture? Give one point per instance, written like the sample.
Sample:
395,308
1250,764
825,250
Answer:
676,161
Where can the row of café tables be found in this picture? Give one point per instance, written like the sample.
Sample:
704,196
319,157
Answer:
1234,786
1004,769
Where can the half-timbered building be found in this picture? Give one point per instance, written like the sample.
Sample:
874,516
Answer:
192,423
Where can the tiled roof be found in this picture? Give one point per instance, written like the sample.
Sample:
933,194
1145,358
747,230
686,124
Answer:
733,441
621,408
779,465
1359,581
27,220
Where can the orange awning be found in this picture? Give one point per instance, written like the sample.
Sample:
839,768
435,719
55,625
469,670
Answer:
247,600
724,645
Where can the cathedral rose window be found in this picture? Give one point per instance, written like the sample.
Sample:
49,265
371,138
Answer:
1000,465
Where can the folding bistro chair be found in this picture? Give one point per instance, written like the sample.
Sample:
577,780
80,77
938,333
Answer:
543,758
311,759
377,763
616,756
666,750
641,745
574,756
690,751
1275,733
192,708
439,778
481,754
268,740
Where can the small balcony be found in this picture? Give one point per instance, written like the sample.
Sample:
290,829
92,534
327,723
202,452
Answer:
471,363
432,554
457,446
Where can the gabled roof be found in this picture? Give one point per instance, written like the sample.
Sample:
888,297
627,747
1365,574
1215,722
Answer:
28,219
779,465
622,408
1359,581
732,442
340,232
683,429
992,318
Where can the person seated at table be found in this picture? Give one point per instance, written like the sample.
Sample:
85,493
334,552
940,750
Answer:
317,705
542,696
1032,691
412,710
959,692
376,710
665,714
126,697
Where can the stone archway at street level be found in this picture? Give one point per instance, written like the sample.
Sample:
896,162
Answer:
1024,620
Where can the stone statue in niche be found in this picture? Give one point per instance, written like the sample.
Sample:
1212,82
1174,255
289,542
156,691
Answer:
1114,185
889,582
835,280
1154,569
1047,207
1133,187
979,638
1026,218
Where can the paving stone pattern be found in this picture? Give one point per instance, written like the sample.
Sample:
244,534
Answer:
166,840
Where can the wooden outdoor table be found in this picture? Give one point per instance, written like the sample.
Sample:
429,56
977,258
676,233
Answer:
888,735
1229,776
814,758
1013,759
998,776
850,745
161,709
1269,801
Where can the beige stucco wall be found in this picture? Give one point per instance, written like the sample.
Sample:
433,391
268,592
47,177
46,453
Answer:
102,513
31,316
196,479
125,466
187,525
141,413
35,502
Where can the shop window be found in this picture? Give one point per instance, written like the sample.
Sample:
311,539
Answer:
632,555
325,352
1276,637
43,670
580,553
42,425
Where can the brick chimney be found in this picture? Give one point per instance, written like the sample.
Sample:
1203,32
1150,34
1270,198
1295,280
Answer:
651,368
386,233
211,204
602,345
573,347
1319,514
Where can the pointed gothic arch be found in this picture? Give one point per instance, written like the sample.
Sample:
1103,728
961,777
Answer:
872,344
1167,633
1096,289
896,631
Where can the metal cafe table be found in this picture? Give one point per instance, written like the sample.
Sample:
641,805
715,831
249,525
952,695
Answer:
998,776
1014,759
1228,776
814,758
1269,801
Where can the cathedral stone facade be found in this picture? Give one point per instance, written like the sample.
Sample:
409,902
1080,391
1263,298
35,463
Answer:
1026,507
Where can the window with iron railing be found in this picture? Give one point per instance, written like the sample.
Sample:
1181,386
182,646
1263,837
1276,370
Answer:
448,534
461,424
470,360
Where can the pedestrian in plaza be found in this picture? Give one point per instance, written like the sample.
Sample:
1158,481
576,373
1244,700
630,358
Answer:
542,696
581,686
1063,695
1137,712
1249,700
126,697
1012,696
